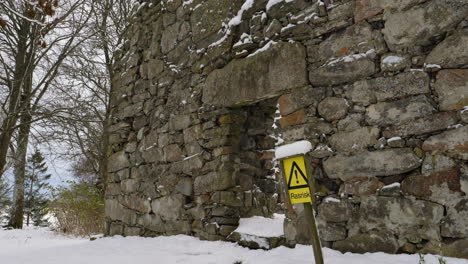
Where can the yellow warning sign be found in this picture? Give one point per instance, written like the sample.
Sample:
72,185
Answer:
296,180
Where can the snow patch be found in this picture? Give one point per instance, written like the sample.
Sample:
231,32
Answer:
393,139
392,60
262,226
331,200
264,48
296,148
393,185
271,3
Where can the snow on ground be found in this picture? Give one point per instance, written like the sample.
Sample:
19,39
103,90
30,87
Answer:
262,226
40,246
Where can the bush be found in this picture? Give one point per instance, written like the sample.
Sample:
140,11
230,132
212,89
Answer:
78,208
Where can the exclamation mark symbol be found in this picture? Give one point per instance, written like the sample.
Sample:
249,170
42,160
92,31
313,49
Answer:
297,178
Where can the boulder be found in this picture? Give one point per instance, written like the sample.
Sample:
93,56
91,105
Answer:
371,164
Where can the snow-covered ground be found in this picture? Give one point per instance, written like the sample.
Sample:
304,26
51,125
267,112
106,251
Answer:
40,246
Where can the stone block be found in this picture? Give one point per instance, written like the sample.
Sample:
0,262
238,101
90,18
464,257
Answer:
202,27
452,52
334,210
388,88
424,186
355,141
421,24
371,164
296,118
169,208
361,186
452,89
345,69
261,76
214,181
454,224
453,143
423,125
333,108
358,38
393,63
118,161
436,163
398,112
364,243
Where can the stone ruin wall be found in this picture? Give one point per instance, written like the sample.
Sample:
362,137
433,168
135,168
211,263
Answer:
206,89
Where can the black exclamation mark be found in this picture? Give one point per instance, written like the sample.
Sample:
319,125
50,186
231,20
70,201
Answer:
297,178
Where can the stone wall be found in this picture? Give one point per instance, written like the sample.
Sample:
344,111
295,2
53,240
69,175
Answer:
206,89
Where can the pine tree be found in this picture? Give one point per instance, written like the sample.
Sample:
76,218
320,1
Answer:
36,183
5,199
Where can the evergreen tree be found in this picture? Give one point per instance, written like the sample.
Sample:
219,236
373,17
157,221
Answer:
5,199
36,183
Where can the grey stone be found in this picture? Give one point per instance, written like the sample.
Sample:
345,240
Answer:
397,112
214,181
273,29
371,164
203,28
419,25
118,161
423,125
399,214
363,243
168,207
335,210
351,122
452,52
454,224
436,163
277,69
452,142
173,153
387,88
342,70
333,108
185,186
358,38
356,140
452,89
393,62
331,231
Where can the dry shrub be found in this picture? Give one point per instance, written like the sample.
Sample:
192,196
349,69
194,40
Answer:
78,208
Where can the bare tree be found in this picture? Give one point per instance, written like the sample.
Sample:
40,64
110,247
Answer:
91,69
39,35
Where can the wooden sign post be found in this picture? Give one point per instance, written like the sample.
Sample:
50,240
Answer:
300,188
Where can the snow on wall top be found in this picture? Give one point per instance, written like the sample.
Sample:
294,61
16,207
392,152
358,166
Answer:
296,148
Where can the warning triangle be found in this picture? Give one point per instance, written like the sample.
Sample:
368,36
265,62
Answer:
297,178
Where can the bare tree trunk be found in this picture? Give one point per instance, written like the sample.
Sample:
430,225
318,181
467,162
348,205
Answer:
16,220
17,213
21,68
